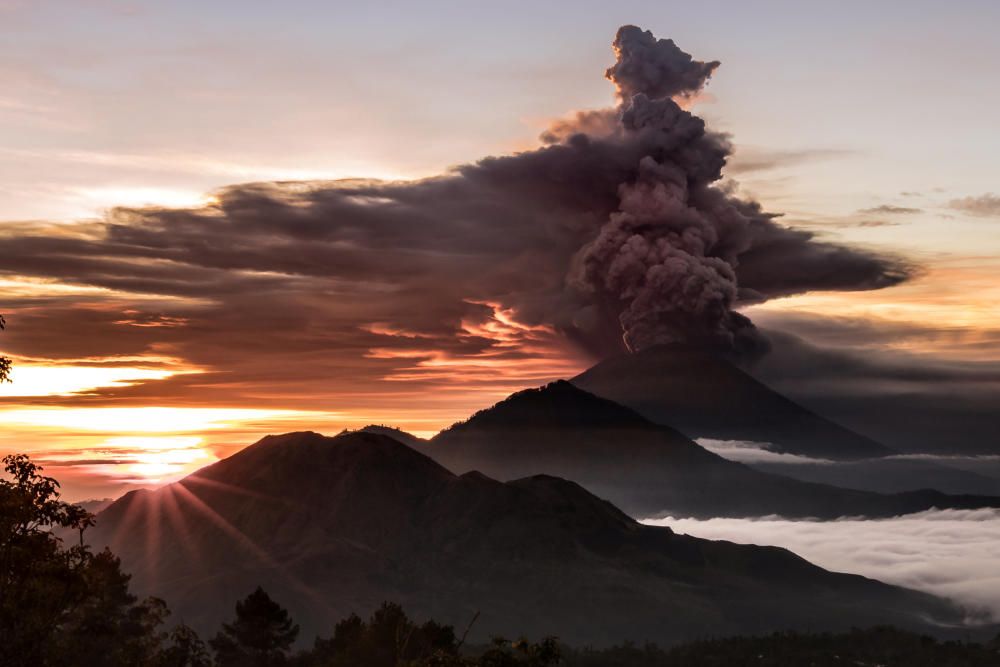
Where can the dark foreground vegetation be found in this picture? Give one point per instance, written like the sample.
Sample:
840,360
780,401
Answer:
61,604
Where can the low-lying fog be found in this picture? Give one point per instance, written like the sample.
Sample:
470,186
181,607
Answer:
891,474
951,553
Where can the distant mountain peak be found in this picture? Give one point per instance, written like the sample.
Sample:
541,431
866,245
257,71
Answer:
705,395
310,465
554,404
336,525
391,431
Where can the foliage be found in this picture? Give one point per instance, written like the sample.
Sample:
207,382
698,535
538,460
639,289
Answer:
389,638
186,649
67,606
4,361
107,626
40,582
521,653
63,605
262,634
875,646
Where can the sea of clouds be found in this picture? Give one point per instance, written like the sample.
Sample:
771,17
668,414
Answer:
950,553
750,452
950,473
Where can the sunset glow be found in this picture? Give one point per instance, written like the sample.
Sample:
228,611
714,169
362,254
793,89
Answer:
66,380
197,252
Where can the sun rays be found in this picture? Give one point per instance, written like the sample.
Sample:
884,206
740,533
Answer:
161,525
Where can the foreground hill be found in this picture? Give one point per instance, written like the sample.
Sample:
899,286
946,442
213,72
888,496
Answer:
644,468
335,525
705,396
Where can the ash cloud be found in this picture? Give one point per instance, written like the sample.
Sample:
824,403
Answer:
655,67
616,231
857,372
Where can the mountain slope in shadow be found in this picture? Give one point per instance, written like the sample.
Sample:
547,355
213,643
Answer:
705,396
644,468
331,526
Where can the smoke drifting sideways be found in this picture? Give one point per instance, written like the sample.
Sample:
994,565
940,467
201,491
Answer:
616,233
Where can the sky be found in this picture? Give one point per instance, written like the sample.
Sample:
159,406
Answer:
869,125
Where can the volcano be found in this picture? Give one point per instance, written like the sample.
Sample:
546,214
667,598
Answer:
647,469
330,526
704,395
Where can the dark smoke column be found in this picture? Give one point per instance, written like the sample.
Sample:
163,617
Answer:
667,258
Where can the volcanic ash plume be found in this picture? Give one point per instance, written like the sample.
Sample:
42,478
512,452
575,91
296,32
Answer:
667,258
655,67
615,233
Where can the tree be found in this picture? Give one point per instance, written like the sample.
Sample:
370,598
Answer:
261,635
108,626
63,605
4,361
388,639
521,653
39,580
186,649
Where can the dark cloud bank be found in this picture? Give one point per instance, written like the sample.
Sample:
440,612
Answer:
844,369
616,233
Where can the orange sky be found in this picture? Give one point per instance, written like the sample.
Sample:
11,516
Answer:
121,382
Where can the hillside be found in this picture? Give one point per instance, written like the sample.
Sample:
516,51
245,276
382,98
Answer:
334,525
644,468
705,396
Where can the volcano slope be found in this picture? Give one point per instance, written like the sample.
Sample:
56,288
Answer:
647,469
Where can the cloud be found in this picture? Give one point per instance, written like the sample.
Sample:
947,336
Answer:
888,209
950,473
654,67
745,451
870,375
753,159
983,206
500,273
872,223
950,553
756,452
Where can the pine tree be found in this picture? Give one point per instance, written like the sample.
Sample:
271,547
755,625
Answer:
261,635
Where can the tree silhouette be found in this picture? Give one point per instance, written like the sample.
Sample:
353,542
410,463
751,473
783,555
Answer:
261,635
186,649
63,606
388,639
4,361
107,626
39,580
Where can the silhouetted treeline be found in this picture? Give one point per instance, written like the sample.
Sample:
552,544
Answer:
884,646
64,605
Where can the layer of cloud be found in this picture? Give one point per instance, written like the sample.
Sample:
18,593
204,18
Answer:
950,553
502,273
871,375
745,451
747,160
984,206
950,473
889,209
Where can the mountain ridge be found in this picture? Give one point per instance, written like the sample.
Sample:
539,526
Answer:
367,519
645,468
703,395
